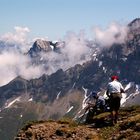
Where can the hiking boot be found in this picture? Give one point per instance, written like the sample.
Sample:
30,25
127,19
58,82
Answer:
115,121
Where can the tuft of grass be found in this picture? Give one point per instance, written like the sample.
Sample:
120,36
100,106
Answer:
30,123
68,121
107,132
102,116
65,132
64,120
128,128
130,122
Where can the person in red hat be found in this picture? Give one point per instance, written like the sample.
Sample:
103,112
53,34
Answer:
114,90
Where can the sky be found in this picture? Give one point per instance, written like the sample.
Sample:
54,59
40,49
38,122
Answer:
54,18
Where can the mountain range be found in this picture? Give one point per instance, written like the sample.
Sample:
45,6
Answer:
64,92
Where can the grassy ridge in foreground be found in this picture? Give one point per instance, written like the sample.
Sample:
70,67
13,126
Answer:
128,127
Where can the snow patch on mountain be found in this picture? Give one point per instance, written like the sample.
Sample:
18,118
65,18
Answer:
57,97
70,109
52,47
84,104
104,69
134,94
123,99
124,59
85,98
12,102
100,63
137,88
129,85
31,99
128,99
74,85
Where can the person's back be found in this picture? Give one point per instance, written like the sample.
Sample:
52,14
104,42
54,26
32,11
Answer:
114,91
115,87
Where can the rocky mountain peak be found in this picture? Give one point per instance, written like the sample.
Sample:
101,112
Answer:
134,26
42,44
135,23
39,46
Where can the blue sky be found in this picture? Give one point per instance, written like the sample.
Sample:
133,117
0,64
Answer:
53,18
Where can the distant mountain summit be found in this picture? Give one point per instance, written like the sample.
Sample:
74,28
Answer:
134,26
135,23
38,47
44,46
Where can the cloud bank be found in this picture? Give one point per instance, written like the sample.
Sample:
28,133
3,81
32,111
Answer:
75,51
115,33
13,62
18,38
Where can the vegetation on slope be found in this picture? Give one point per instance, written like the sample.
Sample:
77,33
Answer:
128,127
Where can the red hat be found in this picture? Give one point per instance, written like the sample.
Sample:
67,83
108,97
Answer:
114,78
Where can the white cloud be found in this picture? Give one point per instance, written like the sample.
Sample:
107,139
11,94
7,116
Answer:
115,33
74,52
76,49
13,64
19,37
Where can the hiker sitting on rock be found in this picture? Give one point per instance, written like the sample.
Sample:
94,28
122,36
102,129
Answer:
96,105
114,91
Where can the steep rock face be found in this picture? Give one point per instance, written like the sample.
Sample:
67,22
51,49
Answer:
12,90
39,46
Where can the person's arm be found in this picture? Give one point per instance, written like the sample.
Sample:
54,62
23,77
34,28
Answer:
107,93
